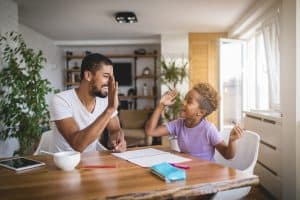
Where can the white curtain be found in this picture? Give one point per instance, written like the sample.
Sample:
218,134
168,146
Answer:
270,31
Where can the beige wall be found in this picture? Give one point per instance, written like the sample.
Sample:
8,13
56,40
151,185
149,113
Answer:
288,97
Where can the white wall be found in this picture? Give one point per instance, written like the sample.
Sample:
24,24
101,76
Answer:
8,16
54,67
251,19
8,22
288,97
175,46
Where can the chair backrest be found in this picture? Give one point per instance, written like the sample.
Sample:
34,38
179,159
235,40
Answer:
246,152
133,119
133,122
45,142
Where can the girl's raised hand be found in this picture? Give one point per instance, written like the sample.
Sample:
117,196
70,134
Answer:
168,98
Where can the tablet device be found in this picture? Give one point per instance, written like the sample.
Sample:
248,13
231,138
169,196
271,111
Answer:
20,163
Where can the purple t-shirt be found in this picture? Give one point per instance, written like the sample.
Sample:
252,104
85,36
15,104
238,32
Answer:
199,141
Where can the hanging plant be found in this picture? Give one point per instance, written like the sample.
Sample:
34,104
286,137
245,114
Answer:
24,111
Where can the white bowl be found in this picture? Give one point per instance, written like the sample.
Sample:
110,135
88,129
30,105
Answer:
66,160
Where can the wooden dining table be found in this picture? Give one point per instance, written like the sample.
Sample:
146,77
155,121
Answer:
123,181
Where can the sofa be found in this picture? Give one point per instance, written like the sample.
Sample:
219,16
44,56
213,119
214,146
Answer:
133,123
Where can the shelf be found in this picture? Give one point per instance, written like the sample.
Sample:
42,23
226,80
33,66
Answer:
72,75
71,83
136,97
148,55
145,77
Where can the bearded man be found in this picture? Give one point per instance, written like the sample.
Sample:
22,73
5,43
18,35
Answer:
81,114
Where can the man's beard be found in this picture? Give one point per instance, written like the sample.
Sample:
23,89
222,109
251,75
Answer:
96,92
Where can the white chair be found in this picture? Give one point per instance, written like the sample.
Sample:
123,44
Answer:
244,160
45,142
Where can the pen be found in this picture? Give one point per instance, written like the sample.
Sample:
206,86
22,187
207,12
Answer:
182,166
97,166
236,123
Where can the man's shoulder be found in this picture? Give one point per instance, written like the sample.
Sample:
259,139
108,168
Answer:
65,94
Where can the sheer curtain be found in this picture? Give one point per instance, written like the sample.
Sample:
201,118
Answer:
270,31
261,78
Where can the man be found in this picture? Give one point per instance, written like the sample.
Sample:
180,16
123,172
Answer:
81,114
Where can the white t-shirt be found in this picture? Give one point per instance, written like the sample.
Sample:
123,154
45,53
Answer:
67,104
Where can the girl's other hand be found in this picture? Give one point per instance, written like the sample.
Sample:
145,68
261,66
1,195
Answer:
236,133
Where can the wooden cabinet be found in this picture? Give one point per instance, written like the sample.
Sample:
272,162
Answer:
72,76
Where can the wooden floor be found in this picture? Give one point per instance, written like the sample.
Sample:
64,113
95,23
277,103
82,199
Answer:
258,193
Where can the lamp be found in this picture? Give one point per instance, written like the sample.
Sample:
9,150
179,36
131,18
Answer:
126,17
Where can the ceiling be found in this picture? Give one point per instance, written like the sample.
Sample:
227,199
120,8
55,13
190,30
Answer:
94,19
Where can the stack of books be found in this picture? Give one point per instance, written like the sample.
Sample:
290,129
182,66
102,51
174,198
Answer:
168,173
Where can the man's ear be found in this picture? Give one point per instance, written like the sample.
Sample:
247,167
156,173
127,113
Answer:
87,75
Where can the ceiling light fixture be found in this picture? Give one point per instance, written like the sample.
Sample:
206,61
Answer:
126,17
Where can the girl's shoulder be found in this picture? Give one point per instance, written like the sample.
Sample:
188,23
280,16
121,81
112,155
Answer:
179,120
209,126
176,123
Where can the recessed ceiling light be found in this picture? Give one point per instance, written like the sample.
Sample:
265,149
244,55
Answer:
126,17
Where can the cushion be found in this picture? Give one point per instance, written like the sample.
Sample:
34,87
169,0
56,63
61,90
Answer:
133,119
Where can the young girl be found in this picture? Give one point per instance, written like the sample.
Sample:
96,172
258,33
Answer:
195,134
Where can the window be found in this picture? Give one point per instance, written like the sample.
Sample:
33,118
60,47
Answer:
261,70
249,73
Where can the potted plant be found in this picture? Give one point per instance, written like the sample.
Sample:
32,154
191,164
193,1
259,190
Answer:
173,73
24,113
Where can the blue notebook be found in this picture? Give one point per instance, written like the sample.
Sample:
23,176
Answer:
168,172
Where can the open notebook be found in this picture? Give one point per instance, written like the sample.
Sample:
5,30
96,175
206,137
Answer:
149,157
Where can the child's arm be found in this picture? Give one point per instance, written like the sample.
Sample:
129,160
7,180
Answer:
151,127
228,151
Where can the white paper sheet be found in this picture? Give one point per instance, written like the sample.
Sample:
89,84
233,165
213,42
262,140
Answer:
148,157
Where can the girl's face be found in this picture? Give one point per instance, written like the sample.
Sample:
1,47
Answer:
190,106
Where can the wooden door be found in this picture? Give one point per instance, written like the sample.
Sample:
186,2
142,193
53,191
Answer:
204,62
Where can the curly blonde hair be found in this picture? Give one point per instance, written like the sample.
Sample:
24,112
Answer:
209,97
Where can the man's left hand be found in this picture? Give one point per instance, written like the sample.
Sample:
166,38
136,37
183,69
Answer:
119,143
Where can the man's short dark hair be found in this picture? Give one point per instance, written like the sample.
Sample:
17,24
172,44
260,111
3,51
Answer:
93,62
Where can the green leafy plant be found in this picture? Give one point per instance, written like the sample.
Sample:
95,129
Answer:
23,108
173,73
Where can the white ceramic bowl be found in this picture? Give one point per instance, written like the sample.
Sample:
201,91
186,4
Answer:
66,160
